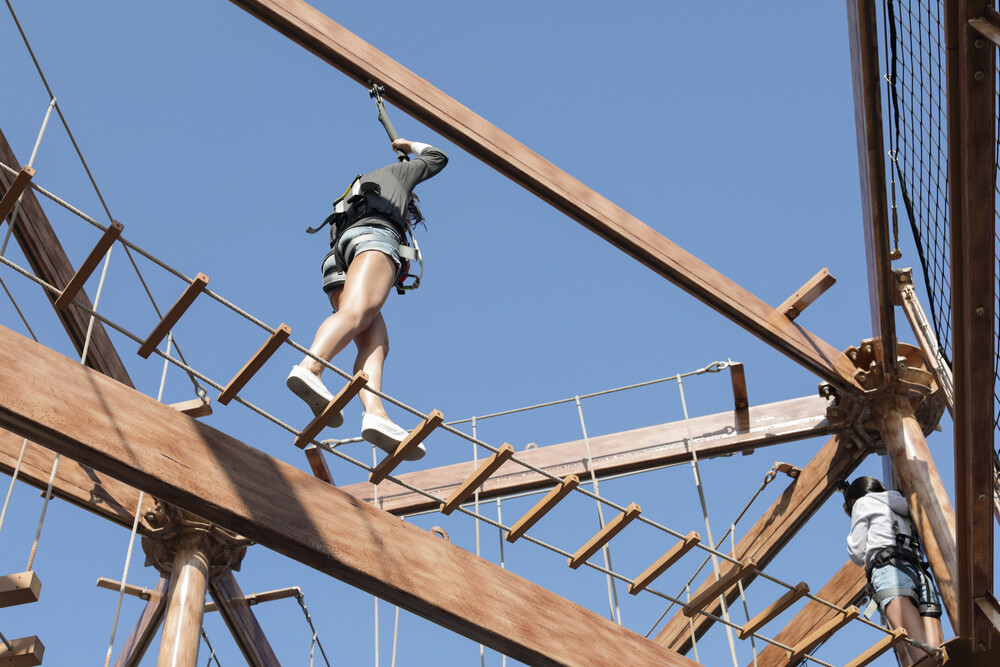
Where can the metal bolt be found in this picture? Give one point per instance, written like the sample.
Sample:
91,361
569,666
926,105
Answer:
854,354
978,76
982,496
979,43
868,348
980,311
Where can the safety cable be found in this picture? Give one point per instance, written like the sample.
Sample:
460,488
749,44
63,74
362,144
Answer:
211,651
475,466
121,588
334,451
31,162
10,647
18,309
315,636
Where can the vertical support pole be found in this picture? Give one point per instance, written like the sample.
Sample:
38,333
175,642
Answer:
921,483
185,603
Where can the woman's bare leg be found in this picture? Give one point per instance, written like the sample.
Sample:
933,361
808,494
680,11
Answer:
902,613
373,348
932,629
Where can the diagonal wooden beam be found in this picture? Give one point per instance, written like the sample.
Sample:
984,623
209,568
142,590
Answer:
146,627
416,96
638,449
765,539
235,610
863,34
142,442
847,587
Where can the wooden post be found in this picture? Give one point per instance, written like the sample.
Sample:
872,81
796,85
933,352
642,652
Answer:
741,401
604,535
13,193
185,603
317,463
20,588
24,652
737,572
416,436
690,541
176,311
234,607
812,290
147,625
93,259
929,504
776,607
488,467
541,508
332,409
260,358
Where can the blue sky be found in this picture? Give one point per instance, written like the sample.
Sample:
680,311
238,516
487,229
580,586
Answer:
217,141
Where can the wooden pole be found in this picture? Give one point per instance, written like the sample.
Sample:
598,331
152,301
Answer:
921,483
185,603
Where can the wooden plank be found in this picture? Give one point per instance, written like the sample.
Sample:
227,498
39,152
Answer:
741,400
867,81
774,609
194,408
24,652
765,539
616,453
266,596
260,357
20,588
604,535
971,64
332,409
14,191
235,610
988,605
287,510
146,627
409,443
542,507
822,633
317,463
48,260
846,587
175,313
736,573
675,553
986,26
476,480
79,278
880,647
418,98
805,295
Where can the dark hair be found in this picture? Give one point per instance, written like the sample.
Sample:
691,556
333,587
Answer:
862,486
413,214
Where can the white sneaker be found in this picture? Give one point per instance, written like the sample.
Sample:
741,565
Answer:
386,436
310,389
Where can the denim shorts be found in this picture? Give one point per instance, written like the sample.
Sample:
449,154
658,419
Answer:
382,239
891,582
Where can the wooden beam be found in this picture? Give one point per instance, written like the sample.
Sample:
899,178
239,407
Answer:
48,260
417,97
774,609
24,652
266,596
617,453
542,507
604,535
175,313
805,295
317,463
867,79
98,252
13,192
690,541
235,610
469,486
270,346
847,587
20,588
765,539
146,627
987,26
741,400
971,63
287,510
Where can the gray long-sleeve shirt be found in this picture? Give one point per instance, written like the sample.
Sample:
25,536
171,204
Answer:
396,181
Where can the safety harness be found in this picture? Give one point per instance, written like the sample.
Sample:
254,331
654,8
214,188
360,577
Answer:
906,555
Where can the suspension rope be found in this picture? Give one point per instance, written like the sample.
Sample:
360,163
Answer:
121,588
31,162
211,651
17,308
743,594
475,466
315,636
10,647
334,451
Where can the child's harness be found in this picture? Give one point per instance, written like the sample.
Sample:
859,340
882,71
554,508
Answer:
906,555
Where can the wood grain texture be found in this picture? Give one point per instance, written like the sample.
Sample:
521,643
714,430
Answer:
146,627
417,97
246,630
145,443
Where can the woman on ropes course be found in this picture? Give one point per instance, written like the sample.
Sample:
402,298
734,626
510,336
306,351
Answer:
884,540
368,231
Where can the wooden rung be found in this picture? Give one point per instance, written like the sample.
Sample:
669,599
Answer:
135,591
257,361
541,508
604,535
318,464
257,598
416,436
886,643
14,191
806,294
196,407
666,560
476,480
778,606
174,314
738,375
24,652
823,633
20,588
787,469
738,572
93,259
332,409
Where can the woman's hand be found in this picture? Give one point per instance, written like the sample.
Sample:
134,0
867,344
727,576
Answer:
402,145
